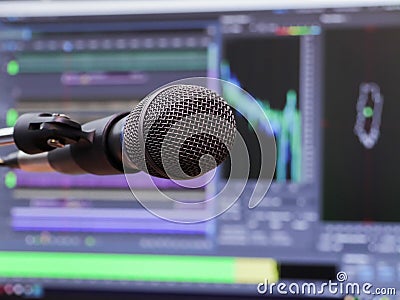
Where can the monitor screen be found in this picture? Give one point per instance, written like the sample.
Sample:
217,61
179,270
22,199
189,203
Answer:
326,77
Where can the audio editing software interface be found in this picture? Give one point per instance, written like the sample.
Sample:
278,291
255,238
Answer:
328,80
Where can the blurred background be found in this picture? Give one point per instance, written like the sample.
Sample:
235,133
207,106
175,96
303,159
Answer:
326,73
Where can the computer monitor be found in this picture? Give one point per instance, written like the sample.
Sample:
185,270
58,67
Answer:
325,74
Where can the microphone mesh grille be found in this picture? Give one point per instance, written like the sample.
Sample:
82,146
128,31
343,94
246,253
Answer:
183,109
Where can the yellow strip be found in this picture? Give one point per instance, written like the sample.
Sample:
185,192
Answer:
256,270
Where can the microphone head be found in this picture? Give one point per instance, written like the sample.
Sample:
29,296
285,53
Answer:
179,132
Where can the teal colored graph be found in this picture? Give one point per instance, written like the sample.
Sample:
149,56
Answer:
285,124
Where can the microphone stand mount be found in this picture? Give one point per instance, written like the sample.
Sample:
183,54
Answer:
42,132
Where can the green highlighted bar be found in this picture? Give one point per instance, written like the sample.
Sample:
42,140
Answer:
115,61
160,268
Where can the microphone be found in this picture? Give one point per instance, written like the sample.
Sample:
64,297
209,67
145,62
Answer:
177,132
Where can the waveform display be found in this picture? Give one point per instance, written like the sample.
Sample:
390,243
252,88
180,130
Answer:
98,220
58,180
285,123
268,68
98,78
78,194
361,125
123,61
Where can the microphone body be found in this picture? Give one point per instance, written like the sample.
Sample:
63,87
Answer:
103,156
177,132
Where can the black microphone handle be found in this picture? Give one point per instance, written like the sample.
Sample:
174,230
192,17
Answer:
101,157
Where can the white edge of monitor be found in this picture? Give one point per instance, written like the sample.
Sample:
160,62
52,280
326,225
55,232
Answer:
142,7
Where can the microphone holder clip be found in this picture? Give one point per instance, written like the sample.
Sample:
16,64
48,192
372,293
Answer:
42,132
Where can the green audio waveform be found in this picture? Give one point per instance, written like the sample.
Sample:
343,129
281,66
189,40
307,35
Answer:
167,60
285,124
